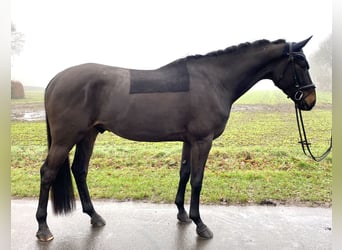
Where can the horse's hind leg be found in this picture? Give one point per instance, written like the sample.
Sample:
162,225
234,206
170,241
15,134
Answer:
79,168
184,175
43,233
57,158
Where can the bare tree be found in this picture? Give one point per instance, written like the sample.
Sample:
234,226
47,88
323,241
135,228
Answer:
17,41
17,44
321,65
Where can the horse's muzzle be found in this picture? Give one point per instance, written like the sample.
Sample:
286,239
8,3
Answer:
308,101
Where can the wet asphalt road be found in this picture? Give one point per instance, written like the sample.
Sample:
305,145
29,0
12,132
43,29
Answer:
132,225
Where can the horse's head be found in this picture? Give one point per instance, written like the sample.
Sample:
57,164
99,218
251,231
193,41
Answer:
291,75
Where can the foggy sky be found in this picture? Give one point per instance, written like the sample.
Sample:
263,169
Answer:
149,34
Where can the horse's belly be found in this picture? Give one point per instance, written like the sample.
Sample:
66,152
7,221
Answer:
150,125
149,132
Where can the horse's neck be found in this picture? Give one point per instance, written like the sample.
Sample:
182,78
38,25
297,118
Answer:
248,68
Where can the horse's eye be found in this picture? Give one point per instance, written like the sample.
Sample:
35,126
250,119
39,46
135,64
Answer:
301,60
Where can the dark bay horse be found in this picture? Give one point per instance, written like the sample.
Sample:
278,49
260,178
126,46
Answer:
188,100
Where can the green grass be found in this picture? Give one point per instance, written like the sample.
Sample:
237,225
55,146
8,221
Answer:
31,97
257,158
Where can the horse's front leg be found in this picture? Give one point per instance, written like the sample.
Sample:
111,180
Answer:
199,155
184,175
79,168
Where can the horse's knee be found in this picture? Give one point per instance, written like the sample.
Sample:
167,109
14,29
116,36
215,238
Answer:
196,186
184,174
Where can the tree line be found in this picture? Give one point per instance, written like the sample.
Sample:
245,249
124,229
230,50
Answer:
321,65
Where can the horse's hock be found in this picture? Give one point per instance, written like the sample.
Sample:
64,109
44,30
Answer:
17,90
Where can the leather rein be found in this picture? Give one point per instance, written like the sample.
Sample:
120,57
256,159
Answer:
304,141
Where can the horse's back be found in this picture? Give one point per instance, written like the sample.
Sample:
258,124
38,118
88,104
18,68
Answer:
171,78
81,76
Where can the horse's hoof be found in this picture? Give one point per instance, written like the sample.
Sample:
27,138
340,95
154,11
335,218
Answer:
204,232
184,217
97,221
44,235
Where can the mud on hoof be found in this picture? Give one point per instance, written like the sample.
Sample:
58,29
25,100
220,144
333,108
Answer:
97,221
183,217
204,232
44,235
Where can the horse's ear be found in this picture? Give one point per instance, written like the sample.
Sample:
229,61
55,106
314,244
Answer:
300,45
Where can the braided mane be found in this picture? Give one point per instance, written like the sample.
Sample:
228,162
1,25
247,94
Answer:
232,49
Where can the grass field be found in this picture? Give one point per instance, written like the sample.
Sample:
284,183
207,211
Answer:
257,159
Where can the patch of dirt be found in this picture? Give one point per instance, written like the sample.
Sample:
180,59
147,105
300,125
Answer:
28,112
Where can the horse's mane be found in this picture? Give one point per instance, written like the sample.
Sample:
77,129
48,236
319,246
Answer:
232,49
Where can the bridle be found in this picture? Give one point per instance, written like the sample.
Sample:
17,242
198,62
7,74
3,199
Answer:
298,97
299,85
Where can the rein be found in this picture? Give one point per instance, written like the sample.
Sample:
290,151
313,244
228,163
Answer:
304,141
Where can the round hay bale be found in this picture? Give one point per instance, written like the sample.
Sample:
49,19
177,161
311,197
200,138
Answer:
17,90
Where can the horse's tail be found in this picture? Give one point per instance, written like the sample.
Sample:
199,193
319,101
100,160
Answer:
46,119
62,191
48,131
